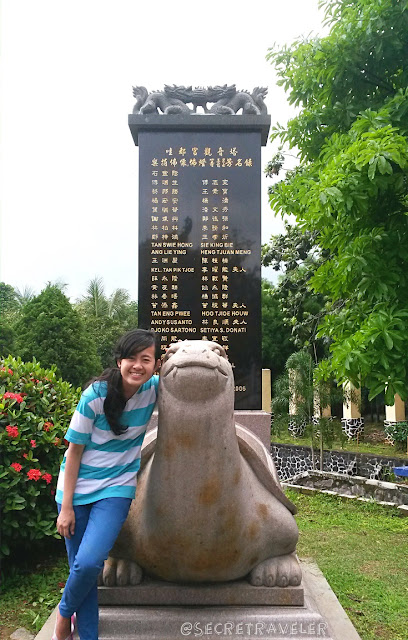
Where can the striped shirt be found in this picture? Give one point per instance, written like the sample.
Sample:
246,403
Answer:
109,463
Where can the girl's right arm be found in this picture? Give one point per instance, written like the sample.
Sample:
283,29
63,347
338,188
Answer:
66,518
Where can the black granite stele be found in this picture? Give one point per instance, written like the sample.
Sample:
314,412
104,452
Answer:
200,235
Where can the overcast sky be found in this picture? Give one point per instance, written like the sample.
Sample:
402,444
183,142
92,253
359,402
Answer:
69,167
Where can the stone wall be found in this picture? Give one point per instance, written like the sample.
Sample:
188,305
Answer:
292,459
352,486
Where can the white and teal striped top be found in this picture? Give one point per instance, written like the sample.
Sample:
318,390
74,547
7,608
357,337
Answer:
109,463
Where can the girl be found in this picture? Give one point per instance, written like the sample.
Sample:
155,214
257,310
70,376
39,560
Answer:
97,479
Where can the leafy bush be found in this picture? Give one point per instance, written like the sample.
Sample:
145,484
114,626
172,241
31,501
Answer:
35,410
397,432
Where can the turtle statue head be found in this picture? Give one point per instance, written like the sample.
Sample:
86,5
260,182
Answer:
197,370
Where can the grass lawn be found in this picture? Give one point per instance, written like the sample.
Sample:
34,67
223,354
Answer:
372,441
361,548
31,589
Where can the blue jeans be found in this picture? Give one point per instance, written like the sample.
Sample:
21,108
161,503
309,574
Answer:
97,526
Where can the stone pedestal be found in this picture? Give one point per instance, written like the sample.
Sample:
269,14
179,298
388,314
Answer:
353,423
318,411
320,616
393,416
258,422
266,390
297,424
352,400
235,593
234,623
396,412
294,398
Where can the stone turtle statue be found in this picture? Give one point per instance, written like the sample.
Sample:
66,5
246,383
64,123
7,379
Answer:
208,505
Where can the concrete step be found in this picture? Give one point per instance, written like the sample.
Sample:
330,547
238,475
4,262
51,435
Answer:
234,623
236,593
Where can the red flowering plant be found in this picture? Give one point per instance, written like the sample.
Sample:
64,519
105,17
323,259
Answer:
35,411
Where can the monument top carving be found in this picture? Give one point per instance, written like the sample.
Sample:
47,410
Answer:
225,100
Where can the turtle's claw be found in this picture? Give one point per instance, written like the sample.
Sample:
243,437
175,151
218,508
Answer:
121,573
281,571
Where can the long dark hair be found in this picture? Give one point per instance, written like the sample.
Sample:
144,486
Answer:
129,344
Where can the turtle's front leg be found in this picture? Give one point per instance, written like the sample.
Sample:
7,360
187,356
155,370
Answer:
281,571
120,573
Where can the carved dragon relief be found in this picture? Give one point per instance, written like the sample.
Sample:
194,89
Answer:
225,100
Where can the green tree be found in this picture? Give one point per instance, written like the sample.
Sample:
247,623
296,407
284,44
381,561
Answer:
94,303
9,308
7,344
130,315
8,298
104,332
97,305
296,255
24,295
276,337
351,189
106,318
298,384
52,331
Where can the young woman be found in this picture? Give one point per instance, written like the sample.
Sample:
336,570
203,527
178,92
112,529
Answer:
97,480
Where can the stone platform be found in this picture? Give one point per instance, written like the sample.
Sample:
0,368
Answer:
175,623
226,594
321,616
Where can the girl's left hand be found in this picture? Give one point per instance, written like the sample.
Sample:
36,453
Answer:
66,522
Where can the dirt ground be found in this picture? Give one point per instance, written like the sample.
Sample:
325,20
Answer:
5,632
376,436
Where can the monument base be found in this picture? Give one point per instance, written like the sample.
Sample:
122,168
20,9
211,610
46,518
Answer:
237,593
258,422
234,623
321,616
